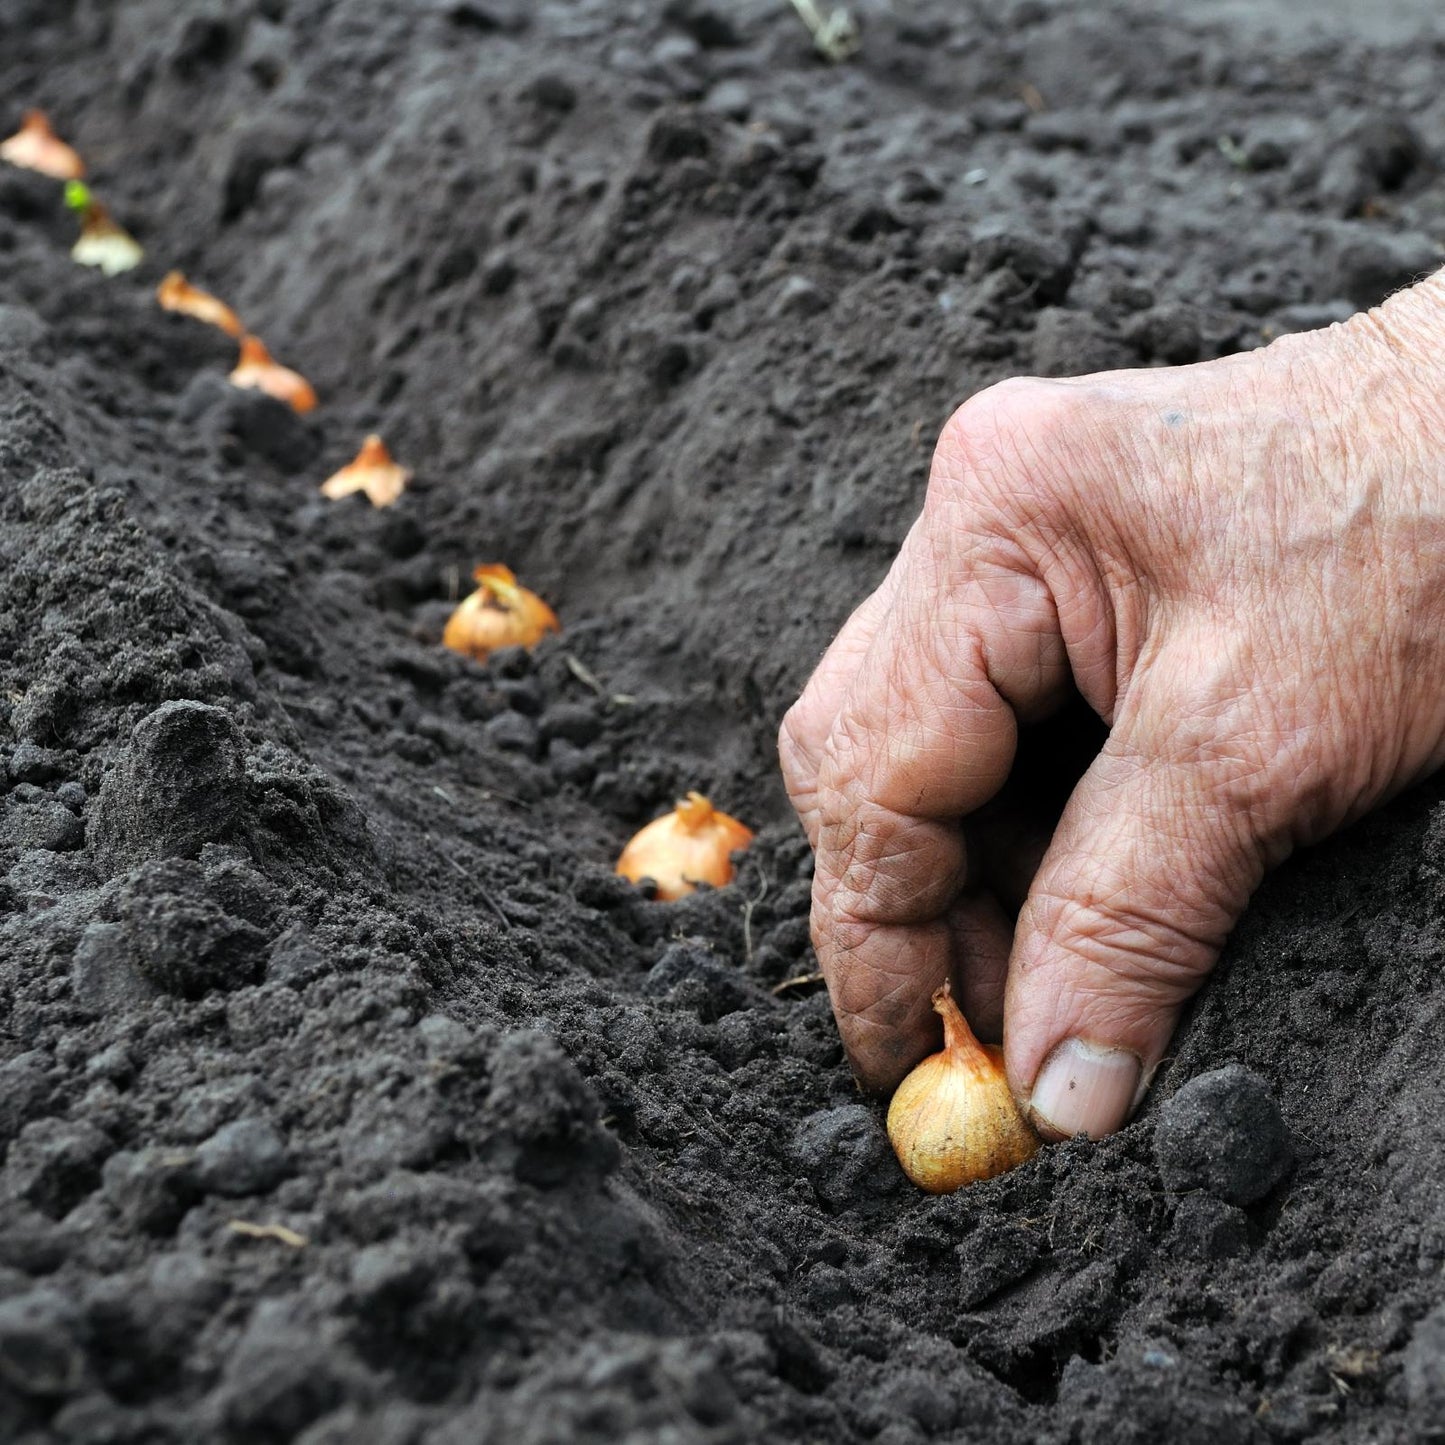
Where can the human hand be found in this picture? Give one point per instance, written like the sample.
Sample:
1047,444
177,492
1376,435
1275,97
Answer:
1240,566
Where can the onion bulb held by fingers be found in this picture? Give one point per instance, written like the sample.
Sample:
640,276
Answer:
953,1120
175,293
693,844
37,148
257,371
373,472
500,613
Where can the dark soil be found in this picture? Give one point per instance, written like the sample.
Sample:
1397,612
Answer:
306,922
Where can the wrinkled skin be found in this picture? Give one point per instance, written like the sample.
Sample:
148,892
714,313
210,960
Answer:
1240,566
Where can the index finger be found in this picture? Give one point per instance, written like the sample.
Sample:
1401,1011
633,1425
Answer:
925,735
805,728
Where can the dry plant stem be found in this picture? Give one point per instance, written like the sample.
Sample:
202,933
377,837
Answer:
958,1039
800,980
279,1232
588,678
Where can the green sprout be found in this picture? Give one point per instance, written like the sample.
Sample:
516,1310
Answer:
1233,152
835,34
102,244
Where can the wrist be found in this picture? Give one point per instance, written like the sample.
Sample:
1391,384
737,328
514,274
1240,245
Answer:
1405,337
1398,430
1412,322
1386,370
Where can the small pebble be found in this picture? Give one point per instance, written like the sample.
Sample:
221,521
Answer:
514,733
730,98
246,1157
30,763
45,824
798,296
846,1156
1223,1133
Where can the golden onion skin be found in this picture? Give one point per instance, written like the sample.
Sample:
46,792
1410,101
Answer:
257,370
693,844
500,613
175,293
953,1120
36,147
373,471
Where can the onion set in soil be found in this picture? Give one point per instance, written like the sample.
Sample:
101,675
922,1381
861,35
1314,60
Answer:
953,1120
500,613
175,293
36,147
372,471
103,243
257,370
692,844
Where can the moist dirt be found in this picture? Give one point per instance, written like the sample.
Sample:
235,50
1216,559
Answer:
345,1095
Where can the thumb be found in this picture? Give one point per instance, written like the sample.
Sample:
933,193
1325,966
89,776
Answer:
1151,865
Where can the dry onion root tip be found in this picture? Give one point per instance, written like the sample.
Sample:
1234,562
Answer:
373,472
953,1120
175,293
103,243
500,613
258,371
36,147
692,844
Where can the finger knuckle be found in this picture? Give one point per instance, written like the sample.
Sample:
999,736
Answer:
842,765
891,869
867,994
1128,945
995,442
794,753
1261,763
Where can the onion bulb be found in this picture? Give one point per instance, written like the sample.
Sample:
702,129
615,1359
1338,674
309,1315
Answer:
37,148
257,371
175,293
692,844
500,613
103,244
373,472
953,1120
